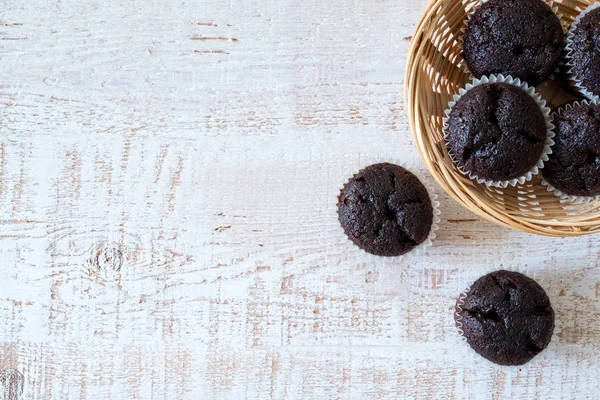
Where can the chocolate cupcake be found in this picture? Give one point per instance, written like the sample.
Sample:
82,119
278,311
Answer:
498,132
385,210
520,38
574,165
583,46
506,317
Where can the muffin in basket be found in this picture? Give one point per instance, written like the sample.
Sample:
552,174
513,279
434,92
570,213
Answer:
574,165
497,131
520,38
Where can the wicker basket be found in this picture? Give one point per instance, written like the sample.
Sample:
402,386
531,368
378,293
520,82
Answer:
433,75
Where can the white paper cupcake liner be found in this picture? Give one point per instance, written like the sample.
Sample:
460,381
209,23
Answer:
461,38
563,196
574,82
545,111
542,357
569,198
422,248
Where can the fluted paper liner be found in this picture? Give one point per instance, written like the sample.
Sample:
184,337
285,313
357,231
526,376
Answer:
420,249
461,38
563,196
543,355
545,111
572,76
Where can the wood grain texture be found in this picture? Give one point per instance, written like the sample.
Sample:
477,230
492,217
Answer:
168,179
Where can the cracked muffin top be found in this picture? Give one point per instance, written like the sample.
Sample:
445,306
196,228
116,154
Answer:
385,210
585,51
520,38
496,131
507,318
574,165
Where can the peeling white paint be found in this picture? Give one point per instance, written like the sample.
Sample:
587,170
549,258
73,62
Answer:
167,213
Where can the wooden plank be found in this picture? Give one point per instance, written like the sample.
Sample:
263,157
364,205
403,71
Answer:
168,180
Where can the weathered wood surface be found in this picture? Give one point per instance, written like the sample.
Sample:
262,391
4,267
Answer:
168,179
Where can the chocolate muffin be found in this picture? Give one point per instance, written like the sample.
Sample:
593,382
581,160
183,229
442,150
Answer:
385,210
584,56
574,165
507,318
496,132
520,38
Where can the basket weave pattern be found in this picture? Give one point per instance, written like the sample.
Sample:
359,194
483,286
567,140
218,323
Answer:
434,74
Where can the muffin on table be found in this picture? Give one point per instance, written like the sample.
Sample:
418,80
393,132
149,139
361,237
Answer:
506,317
385,210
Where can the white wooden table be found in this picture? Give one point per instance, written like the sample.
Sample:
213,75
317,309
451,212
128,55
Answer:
168,179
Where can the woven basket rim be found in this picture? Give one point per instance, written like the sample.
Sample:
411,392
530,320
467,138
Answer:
557,220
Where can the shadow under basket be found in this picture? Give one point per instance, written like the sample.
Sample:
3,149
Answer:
434,74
